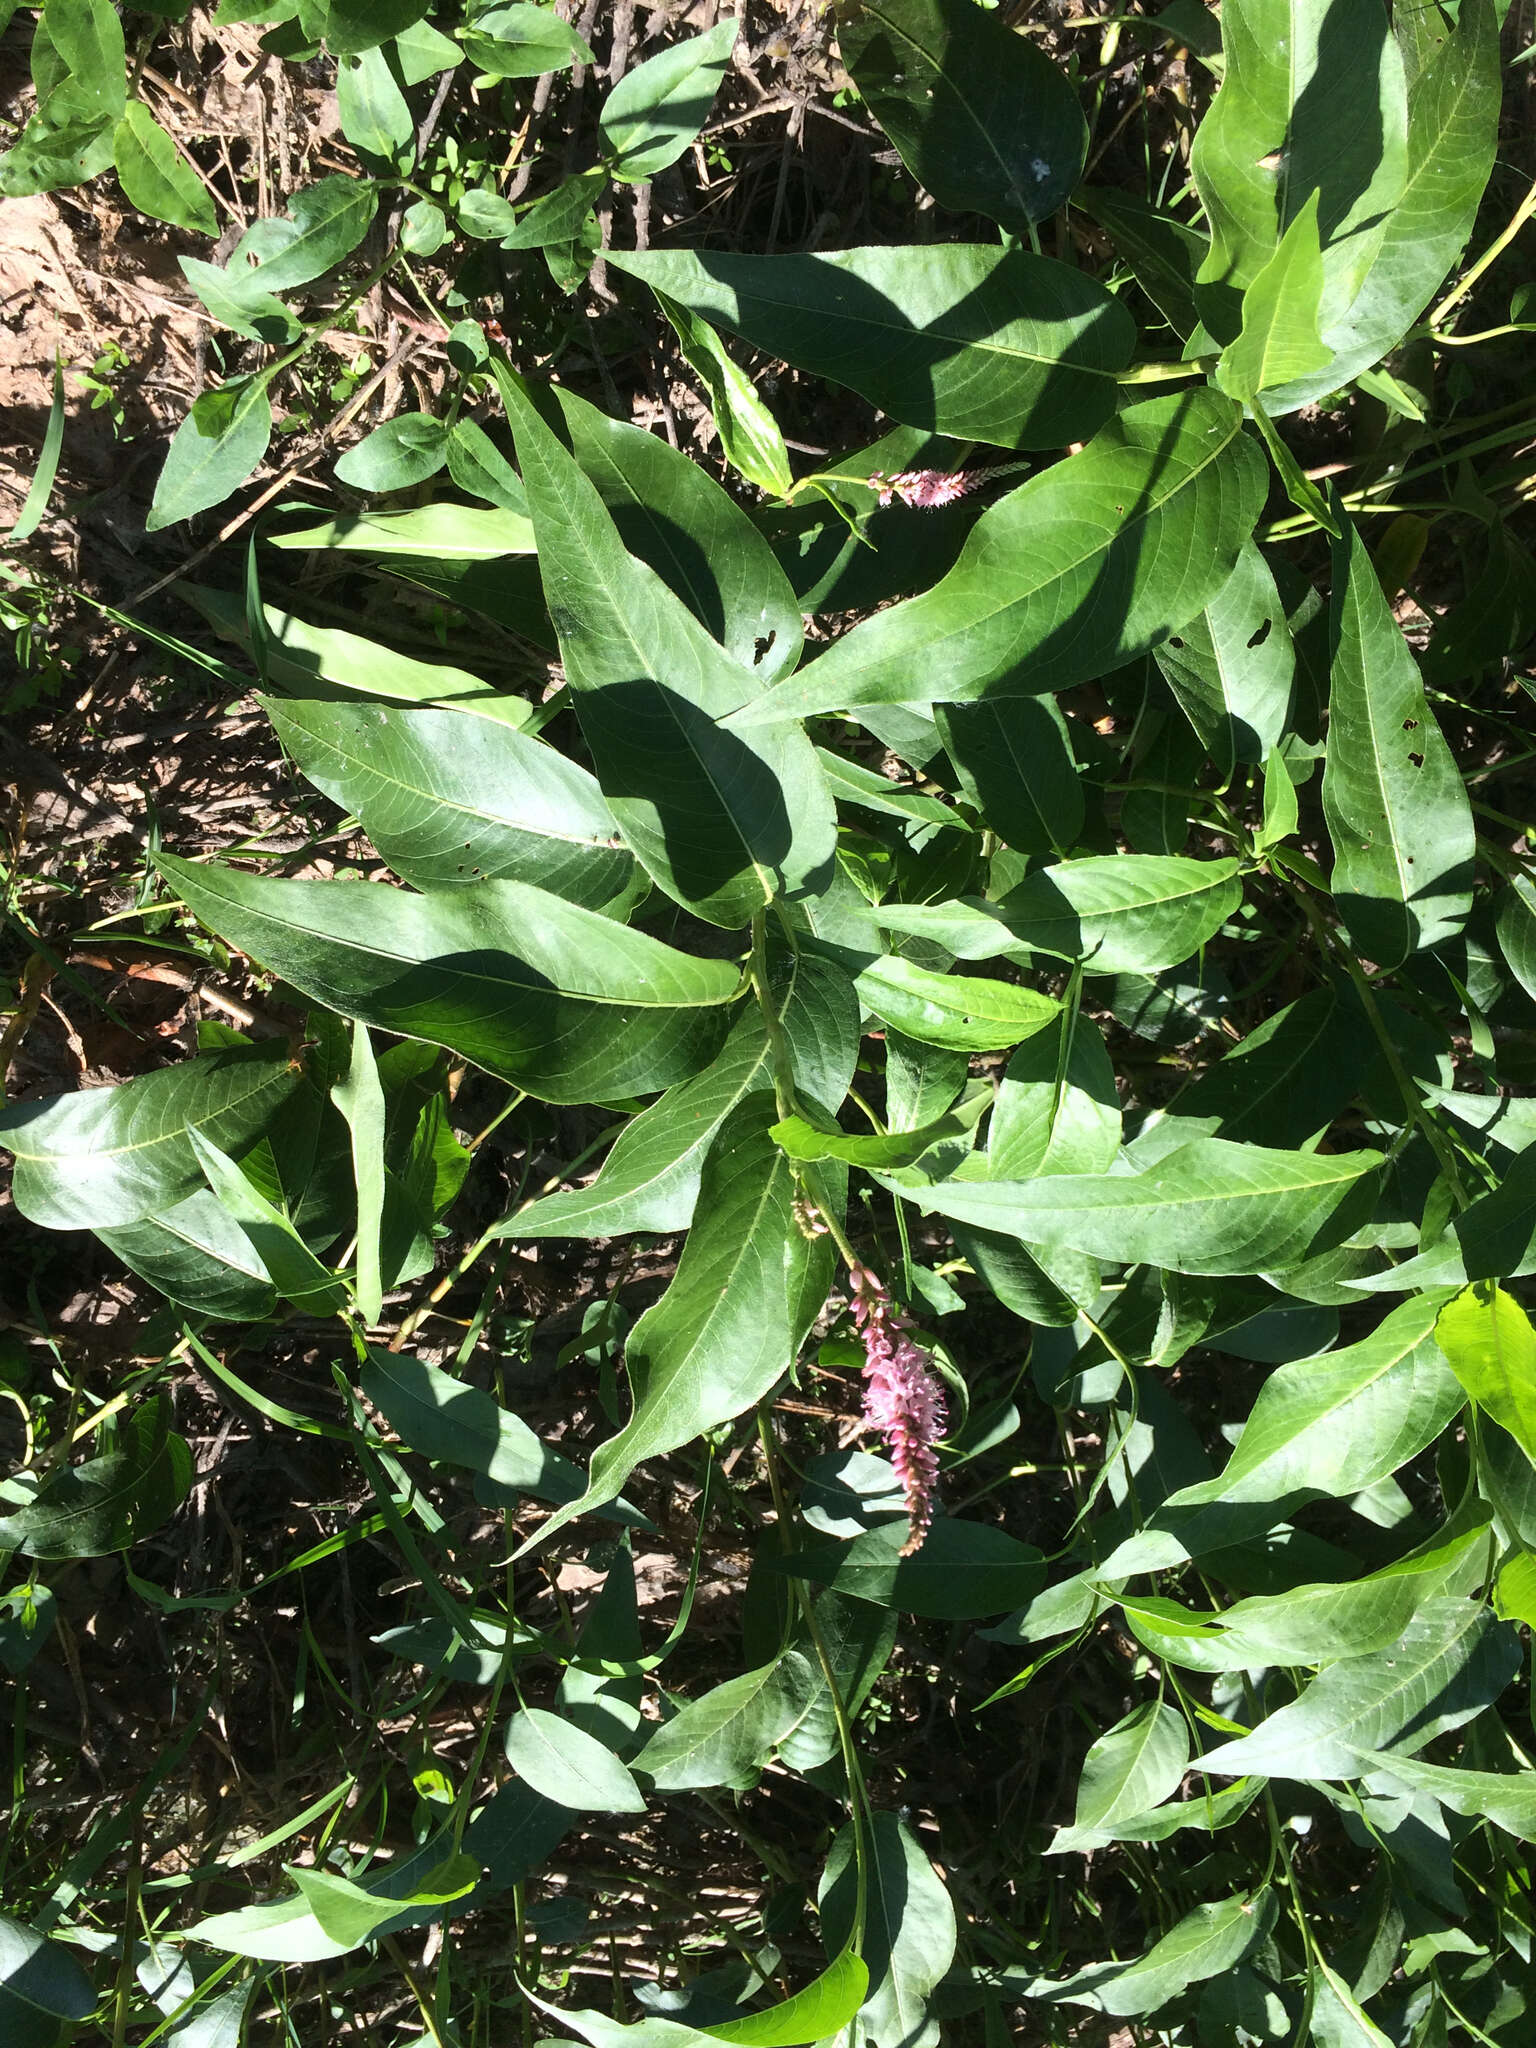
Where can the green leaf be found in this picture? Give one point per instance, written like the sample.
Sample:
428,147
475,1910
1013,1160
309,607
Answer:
239,304
1093,561
723,826
964,1570
749,435
199,1257
1451,1661
35,504
671,513
1515,924
964,1012
1312,100
1231,666
656,110
1453,121
516,40
560,216
478,466
296,1273
1206,1943
1279,341
110,1156
817,2013
1337,1424
352,25
982,118
983,344
1130,1769
328,220
41,1986
424,228
403,451
726,1737
350,1914
156,177
360,1098
112,1501
1488,1340
454,1424
565,1764
1289,1078
1014,758
554,998
858,1639
1163,251
213,451
469,533
908,1933
1509,1801
423,52
89,38
374,114
1397,810
1057,1110
1207,1207
798,1139
746,1289
1337,2021
450,800
1129,913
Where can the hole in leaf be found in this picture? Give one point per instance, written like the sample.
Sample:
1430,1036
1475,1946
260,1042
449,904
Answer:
1410,724
1257,639
761,645
1417,760
1175,641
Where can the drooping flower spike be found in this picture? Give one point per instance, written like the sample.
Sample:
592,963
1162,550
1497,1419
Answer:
903,1400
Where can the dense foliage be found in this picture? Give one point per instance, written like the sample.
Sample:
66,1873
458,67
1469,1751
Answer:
1013,910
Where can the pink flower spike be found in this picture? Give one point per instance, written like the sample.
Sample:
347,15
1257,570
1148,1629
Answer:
925,488
902,1399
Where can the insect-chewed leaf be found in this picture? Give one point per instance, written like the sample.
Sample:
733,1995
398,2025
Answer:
110,1156
1092,561
562,1001
982,344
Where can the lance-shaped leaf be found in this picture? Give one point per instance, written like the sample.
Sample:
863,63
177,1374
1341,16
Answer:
328,220
750,439
909,1929
982,344
1509,1801
962,1571
449,798
671,513
213,451
559,1000
566,1764
1453,125
296,1273
1014,758
1089,563
1129,913
1397,808
1337,1424
1451,1661
747,1287
1206,1943
110,1502
982,118
1336,2018
1057,1110
516,40
455,1424
656,110
359,1096
722,824
110,1156
1487,1337
156,177
1279,340
1494,1238
1130,1769
41,1985
967,1013
1231,667
725,1737
199,1257
1208,1207
1313,99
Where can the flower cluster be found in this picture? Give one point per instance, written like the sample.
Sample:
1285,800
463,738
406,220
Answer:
902,1399
926,488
